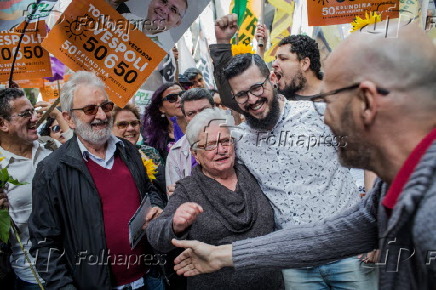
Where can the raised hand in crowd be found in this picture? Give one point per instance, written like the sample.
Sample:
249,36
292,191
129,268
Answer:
261,34
43,107
185,215
225,28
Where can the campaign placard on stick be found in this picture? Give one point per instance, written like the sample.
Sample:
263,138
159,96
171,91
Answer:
92,36
32,60
323,12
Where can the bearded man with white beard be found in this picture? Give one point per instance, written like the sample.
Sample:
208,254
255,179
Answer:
84,195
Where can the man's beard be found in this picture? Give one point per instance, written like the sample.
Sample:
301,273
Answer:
298,83
97,137
354,152
271,118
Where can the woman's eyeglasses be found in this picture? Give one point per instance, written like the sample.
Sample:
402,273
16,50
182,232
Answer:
213,145
172,98
55,129
125,124
91,110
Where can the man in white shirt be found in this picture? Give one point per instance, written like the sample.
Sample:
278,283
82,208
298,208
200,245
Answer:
22,153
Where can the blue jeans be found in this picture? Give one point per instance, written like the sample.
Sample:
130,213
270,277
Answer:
348,273
154,283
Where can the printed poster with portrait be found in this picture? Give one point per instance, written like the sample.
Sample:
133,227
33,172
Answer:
164,21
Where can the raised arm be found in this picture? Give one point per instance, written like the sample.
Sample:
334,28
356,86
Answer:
221,53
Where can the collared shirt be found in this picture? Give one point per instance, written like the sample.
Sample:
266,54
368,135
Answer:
297,167
179,162
111,147
20,203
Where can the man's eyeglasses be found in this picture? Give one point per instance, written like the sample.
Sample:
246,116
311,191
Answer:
174,10
125,124
93,109
213,145
255,90
319,100
55,129
25,114
172,98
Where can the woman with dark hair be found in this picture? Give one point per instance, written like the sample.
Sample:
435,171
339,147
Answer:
163,122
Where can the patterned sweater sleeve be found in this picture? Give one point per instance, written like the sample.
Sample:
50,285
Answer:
349,233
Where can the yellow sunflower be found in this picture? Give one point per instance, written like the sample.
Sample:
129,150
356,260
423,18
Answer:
371,18
150,167
241,49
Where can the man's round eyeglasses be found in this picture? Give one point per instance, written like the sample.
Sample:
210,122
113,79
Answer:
91,110
319,100
256,90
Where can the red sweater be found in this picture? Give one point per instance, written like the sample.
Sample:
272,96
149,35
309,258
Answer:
119,199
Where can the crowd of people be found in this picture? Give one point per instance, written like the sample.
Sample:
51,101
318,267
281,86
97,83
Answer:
257,173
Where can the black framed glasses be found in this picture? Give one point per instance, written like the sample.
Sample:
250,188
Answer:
55,129
256,90
319,100
93,109
214,144
125,124
26,114
172,98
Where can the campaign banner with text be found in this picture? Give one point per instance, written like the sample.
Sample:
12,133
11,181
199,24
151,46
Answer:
323,12
32,60
92,36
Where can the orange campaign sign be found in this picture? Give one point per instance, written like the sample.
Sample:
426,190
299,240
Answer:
29,83
325,12
93,36
32,60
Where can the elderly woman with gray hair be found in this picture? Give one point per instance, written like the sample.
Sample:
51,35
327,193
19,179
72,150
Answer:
220,203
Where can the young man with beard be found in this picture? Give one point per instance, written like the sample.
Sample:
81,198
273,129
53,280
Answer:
297,67
385,101
84,195
292,154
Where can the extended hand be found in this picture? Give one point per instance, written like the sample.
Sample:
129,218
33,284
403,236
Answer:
200,258
185,215
225,28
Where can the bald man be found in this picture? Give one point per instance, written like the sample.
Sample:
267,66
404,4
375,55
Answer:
381,93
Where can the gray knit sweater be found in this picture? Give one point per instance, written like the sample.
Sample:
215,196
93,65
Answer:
228,216
407,240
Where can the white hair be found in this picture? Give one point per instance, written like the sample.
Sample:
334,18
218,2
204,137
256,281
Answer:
203,119
78,78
